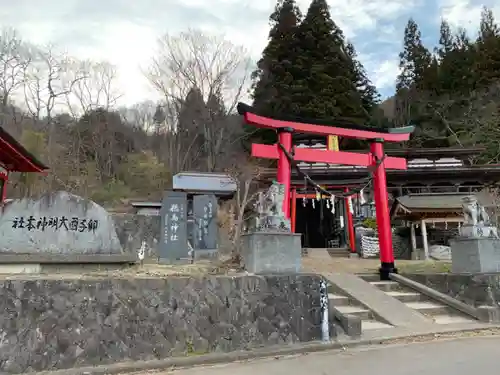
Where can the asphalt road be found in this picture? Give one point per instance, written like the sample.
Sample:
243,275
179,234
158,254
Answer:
476,355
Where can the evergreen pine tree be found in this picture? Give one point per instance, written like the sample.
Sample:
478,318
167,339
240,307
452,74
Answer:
445,39
488,50
192,112
370,98
418,70
325,76
159,117
414,60
272,80
456,61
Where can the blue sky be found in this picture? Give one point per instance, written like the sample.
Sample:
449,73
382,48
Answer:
125,31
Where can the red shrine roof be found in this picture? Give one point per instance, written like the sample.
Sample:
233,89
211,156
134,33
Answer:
15,158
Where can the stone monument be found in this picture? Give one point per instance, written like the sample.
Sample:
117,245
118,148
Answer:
58,223
270,246
477,247
174,247
205,228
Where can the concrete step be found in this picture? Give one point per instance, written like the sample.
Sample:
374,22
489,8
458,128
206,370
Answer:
370,276
405,296
338,252
373,324
429,308
361,312
452,319
339,300
386,286
437,311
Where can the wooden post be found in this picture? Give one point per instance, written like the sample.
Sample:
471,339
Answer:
424,239
413,237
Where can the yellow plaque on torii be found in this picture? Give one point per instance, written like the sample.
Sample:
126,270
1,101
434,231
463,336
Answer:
333,143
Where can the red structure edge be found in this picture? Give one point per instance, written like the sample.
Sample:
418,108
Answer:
382,209
284,166
309,155
375,159
265,122
15,158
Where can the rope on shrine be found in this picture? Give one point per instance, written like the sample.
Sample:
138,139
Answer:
309,180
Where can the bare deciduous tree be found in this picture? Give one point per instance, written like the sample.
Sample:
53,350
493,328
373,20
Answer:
141,115
14,60
193,59
45,83
215,67
93,85
245,175
45,89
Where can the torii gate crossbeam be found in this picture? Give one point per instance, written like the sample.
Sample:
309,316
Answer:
375,159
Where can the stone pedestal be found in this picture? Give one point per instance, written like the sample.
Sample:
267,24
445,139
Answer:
475,255
205,254
265,252
478,231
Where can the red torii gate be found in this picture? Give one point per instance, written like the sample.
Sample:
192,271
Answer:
375,158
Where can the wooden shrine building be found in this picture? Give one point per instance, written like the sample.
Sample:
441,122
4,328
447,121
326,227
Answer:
430,172
15,158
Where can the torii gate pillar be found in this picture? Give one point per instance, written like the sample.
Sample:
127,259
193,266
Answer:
382,210
284,173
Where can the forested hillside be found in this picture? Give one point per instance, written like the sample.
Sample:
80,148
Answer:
451,92
65,110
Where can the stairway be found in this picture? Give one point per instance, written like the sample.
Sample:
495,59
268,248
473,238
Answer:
434,310
347,305
332,252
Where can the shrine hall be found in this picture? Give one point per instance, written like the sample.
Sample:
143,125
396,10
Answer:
330,223
15,158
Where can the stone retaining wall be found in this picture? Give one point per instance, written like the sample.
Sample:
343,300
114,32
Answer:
473,289
57,324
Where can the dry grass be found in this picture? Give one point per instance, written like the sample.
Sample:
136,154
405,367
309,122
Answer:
316,262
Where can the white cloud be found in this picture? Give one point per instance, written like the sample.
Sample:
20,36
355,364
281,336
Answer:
466,13
124,31
384,75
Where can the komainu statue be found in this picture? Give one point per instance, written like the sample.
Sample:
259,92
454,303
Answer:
474,213
269,207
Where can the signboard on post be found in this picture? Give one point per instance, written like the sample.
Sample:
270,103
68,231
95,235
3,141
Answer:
173,237
205,222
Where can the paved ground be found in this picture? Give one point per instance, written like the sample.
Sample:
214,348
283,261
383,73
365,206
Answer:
457,357
318,261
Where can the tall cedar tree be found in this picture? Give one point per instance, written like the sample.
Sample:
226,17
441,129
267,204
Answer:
325,75
414,60
488,47
414,63
272,80
456,61
192,112
370,98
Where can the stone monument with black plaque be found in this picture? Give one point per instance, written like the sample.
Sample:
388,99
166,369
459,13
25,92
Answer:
270,247
205,227
174,248
477,248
